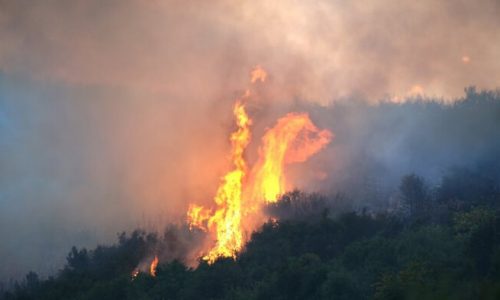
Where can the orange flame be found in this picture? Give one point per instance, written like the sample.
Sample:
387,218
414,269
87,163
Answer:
198,216
227,218
293,139
152,267
258,74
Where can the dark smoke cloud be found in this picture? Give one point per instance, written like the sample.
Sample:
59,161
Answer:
116,114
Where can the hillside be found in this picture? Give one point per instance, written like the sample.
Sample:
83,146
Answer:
440,245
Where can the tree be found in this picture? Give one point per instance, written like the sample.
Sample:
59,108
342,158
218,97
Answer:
415,195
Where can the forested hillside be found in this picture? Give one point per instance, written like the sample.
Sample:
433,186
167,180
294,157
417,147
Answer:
443,243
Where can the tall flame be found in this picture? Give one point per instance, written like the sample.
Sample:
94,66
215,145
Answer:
293,139
227,218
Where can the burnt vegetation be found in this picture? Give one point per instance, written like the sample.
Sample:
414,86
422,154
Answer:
441,241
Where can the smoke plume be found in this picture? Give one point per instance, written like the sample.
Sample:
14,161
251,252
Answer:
116,115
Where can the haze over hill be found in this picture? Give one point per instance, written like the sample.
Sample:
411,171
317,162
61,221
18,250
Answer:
116,115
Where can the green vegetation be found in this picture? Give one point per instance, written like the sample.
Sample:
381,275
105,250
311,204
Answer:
431,249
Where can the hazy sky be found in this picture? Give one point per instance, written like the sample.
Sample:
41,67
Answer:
116,113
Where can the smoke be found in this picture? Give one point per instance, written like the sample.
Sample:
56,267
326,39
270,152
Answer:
376,145
317,51
116,114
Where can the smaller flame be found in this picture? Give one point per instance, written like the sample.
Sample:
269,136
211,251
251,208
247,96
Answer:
416,90
152,268
134,274
258,74
198,216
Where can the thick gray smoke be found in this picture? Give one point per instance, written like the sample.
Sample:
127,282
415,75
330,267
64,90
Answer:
115,115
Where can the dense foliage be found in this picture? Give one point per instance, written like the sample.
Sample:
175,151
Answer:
439,242
444,243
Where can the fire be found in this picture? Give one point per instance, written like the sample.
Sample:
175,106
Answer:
227,218
258,74
144,267
198,216
416,90
293,139
134,274
152,267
